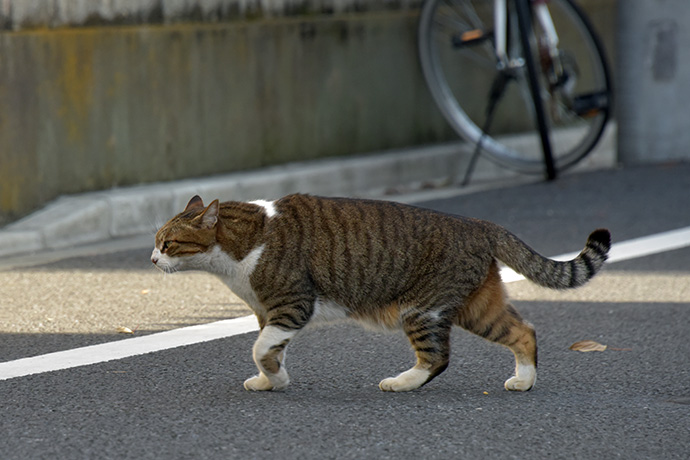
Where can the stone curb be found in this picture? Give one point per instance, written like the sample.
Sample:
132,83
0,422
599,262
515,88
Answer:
99,216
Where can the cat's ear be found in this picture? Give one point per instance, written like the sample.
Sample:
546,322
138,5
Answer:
195,202
209,218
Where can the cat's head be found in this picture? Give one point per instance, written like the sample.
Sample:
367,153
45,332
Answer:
185,241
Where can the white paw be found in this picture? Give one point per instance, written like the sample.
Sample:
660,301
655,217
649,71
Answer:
515,384
388,385
258,383
525,376
408,380
262,383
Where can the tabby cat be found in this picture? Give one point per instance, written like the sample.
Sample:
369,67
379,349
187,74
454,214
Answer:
303,258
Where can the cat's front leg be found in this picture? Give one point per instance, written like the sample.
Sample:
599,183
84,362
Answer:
269,356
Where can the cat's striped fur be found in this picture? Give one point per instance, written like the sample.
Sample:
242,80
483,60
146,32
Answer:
396,266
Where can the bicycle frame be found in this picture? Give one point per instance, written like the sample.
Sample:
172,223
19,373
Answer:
541,12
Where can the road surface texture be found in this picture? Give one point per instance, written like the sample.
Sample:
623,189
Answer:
630,401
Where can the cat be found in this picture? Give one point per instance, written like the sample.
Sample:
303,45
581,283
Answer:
303,258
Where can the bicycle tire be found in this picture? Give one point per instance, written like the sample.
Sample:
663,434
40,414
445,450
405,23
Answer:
456,74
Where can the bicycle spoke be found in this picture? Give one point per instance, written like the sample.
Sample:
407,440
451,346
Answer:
451,24
471,13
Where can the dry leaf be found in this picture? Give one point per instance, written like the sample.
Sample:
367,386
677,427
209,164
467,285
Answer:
587,345
124,330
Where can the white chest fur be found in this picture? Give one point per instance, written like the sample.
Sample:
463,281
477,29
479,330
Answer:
236,274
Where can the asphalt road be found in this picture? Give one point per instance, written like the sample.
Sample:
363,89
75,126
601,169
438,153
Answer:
630,401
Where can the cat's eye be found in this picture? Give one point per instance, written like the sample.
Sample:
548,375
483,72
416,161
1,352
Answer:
166,245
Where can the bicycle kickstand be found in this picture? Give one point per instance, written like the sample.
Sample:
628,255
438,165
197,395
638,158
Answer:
497,88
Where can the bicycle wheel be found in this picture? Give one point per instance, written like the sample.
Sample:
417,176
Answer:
458,58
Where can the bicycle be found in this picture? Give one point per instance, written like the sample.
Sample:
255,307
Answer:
469,47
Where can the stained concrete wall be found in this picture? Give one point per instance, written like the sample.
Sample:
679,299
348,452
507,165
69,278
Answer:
259,82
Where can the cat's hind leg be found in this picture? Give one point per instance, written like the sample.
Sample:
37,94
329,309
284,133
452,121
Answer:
429,334
489,315
523,343
518,335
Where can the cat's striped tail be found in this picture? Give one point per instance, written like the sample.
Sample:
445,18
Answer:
551,273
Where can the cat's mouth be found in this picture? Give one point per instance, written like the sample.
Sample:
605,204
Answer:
162,262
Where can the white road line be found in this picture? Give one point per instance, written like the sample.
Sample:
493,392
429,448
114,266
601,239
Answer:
638,247
648,245
126,348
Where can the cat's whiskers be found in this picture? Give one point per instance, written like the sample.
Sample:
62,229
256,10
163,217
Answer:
169,271
154,224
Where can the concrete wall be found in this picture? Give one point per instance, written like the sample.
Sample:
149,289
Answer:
259,82
654,78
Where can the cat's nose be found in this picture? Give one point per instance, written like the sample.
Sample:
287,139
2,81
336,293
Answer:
155,256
